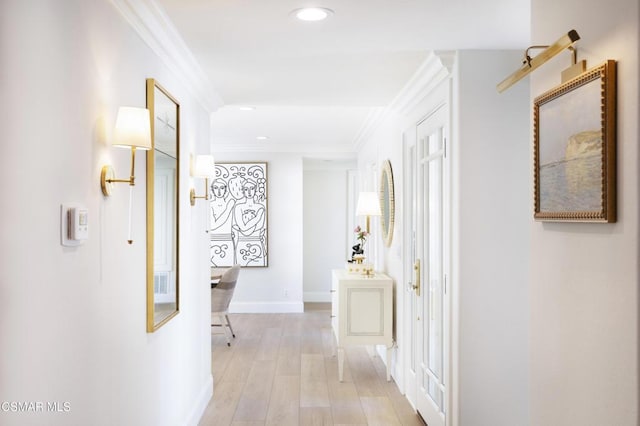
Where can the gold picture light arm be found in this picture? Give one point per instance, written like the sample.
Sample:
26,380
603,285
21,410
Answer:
530,64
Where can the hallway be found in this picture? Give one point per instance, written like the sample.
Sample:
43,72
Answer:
280,370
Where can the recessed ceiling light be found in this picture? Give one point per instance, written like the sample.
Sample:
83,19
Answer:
312,13
262,138
247,108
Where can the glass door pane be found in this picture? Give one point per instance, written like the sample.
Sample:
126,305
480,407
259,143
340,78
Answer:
433,272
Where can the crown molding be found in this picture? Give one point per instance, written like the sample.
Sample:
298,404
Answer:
155,28
369,126
317,150
437,68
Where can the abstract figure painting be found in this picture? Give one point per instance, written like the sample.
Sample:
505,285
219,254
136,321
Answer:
238,215
575,149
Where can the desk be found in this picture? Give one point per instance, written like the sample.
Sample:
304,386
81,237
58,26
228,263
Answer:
361,312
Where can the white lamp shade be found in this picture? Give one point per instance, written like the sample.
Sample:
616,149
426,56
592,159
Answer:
133,128
204,166
368,204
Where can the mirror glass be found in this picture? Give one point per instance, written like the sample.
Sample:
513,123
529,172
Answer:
163,168
387,203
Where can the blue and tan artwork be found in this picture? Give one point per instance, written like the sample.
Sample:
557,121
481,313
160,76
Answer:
571,151
238,215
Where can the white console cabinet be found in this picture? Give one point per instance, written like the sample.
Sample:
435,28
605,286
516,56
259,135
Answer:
361,312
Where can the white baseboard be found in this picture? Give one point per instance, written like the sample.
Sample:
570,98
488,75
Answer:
201,403
316,296
266,307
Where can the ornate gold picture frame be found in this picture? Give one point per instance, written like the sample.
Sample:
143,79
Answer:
575,149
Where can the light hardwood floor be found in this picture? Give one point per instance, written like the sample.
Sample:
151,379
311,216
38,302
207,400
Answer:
281,370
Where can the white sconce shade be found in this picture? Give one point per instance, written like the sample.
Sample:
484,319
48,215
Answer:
133,128
204,167
368,204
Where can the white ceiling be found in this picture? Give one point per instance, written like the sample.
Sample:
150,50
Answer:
314,83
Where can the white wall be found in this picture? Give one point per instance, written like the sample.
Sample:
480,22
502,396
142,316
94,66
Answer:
490,147
385,143
584,277
278,287
326,245
72,320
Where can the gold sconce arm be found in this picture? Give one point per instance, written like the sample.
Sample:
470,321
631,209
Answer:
107,176
193,197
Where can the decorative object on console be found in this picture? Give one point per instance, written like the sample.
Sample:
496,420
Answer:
357,253
368,205
358,257
361,235
239,215
575,149
204,167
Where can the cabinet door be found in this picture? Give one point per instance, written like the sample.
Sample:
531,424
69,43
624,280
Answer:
365,311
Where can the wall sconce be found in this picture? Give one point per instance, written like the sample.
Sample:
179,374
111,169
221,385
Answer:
204,167
133,130
530,64
368,205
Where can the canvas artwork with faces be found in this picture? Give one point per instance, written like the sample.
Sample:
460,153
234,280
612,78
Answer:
238,215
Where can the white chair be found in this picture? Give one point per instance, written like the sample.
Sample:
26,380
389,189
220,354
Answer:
221,296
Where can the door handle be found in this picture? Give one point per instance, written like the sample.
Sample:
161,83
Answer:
416,286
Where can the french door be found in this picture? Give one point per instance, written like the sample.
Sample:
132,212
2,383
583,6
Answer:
427,265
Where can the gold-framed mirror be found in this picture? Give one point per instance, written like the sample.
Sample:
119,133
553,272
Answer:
387,203
163,171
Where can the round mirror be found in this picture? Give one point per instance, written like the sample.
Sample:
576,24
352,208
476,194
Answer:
387,204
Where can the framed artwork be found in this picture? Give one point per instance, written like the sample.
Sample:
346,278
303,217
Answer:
238,215
575,149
